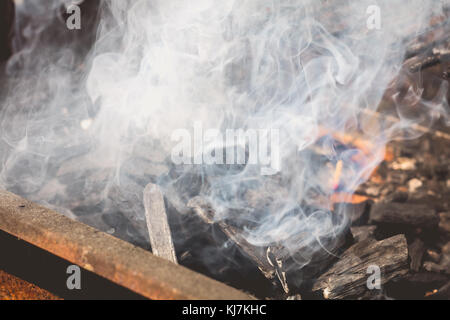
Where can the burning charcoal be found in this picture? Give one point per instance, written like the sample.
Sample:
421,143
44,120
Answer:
416,250
443,293
413,215
358,213
363,233
348,277
246,72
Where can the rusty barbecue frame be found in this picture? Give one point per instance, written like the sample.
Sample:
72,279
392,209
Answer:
107,256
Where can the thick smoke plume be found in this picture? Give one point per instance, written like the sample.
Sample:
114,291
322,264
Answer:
85,133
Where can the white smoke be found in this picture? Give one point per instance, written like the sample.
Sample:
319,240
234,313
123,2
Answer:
81,134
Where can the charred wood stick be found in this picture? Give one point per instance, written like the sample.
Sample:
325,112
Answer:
347,279
270,265
407,214
258,254
157,223
274,260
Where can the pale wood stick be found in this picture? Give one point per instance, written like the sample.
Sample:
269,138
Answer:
157,223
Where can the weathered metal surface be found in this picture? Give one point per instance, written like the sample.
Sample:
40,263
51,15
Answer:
112,258
13,288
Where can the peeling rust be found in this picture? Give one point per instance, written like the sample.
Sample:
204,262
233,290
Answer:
13,288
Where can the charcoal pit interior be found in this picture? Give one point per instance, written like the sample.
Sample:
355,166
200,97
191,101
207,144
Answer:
88,177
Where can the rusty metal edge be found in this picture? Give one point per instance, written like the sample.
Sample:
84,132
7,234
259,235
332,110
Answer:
107,256
14,288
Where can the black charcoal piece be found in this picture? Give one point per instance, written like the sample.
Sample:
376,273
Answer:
347,279
413,215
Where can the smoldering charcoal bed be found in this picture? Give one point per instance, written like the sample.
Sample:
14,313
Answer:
224,149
